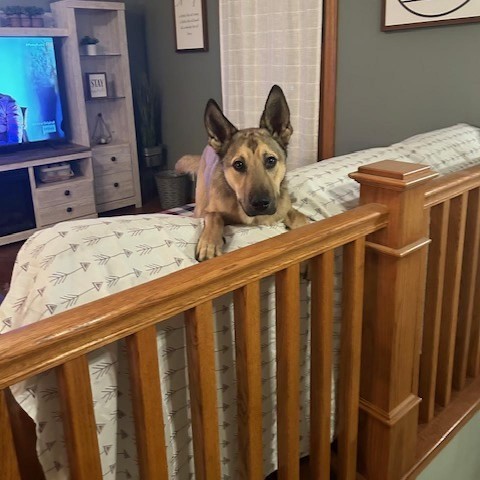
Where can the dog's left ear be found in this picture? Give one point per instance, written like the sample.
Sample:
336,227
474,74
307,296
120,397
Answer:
276,116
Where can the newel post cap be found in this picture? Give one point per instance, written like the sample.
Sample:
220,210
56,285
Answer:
393,174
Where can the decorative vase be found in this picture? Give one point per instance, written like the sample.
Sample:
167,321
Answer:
25,21
90,49
37,21
153,156
14,21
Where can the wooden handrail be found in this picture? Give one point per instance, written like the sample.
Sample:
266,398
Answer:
452,185
28,351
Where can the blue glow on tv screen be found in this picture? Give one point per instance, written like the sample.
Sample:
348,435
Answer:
30,102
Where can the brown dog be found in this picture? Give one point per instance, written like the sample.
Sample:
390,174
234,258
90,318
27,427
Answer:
240,176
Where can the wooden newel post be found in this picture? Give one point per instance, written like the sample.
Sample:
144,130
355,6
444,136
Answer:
395,272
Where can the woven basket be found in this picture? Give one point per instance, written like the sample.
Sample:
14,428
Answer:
172,188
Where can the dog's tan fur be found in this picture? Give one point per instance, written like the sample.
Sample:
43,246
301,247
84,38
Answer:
254,194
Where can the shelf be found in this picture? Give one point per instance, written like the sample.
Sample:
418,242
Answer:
117,97
113,144
69,181
85,55
33,32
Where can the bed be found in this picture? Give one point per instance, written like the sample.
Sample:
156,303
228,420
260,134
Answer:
107,319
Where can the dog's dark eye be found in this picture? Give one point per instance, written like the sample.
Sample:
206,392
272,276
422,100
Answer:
239,165
270,162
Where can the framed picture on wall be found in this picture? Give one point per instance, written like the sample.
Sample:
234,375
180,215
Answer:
97,85
401,14
190,21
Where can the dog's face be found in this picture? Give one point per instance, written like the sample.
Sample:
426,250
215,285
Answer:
253,159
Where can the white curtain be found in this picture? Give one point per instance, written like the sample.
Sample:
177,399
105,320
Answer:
263,42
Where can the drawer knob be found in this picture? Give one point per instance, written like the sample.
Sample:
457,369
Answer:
113,159
67,193
116,184
69,209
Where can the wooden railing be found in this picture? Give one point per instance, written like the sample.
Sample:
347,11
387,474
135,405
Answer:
62,343
385,246
450,354
454,205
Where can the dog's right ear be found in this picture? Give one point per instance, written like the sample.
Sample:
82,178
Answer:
219,128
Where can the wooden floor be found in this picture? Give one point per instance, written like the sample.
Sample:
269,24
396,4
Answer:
9,252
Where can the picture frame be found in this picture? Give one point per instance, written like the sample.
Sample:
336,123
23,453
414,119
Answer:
97,85
190,23
405,14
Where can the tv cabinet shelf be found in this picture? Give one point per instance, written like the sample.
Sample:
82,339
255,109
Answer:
103,99
106,176
55,202
33,32
115,165
84,56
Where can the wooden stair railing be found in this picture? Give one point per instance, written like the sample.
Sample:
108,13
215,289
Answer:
449,381
62,342
393,313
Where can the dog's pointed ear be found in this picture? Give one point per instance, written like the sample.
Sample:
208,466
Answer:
219,128
276,116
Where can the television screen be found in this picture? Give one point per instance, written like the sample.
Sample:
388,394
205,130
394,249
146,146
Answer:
30,102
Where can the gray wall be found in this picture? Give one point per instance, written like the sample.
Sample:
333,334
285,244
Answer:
390,85
186,80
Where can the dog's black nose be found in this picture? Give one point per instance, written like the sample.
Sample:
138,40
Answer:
260,204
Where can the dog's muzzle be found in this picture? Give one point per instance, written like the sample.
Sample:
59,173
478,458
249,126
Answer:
261,206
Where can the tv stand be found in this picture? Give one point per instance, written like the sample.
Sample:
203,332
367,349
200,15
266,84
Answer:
53,202
106,174
41,152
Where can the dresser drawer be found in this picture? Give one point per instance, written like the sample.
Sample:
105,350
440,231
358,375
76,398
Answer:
116,186
68,192
112,161
68,211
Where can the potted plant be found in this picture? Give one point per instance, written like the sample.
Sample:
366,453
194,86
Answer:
13,13
89,45
36,16
25,20
152,152
148,122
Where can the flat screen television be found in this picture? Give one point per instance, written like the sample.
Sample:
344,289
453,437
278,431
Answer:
31,107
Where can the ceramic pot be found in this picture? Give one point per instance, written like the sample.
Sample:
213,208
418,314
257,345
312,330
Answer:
90,49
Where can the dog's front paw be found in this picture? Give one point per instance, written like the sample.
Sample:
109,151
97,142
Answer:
206,250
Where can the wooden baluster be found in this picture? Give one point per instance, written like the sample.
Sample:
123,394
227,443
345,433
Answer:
350,357
453,271
79,420
288,371
467,289
474,351
433,309
393,313
249,380
321,270
203,391
147,404
9,468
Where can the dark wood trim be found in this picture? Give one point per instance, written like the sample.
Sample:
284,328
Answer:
434,436
328,80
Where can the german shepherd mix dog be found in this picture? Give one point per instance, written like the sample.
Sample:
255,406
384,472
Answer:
240,175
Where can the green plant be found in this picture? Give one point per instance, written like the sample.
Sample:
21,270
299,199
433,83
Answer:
87,40
13,10
34,11
146,101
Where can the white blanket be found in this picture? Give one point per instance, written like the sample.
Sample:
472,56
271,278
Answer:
74,263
